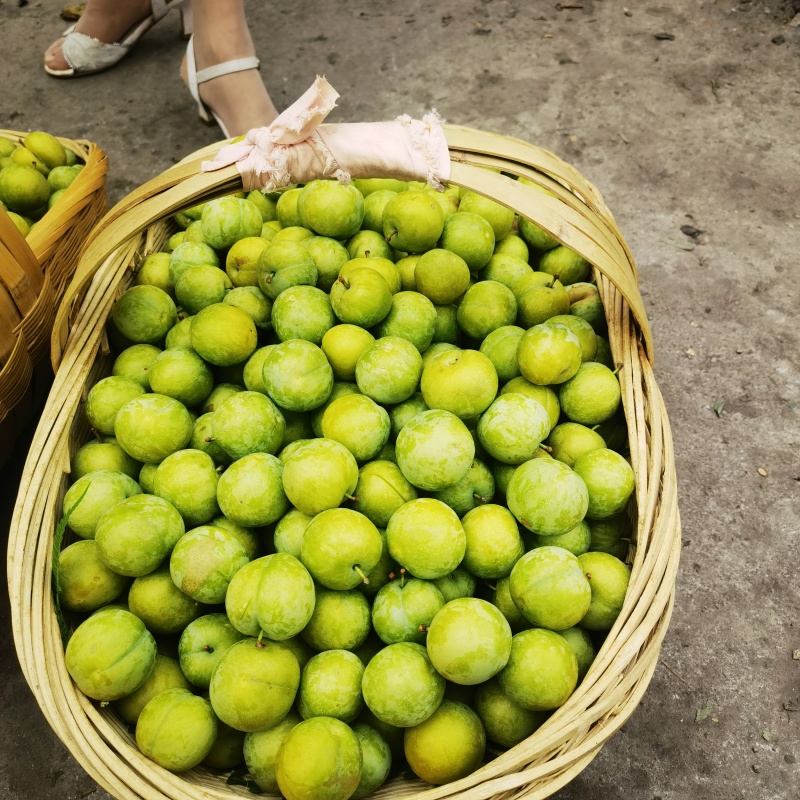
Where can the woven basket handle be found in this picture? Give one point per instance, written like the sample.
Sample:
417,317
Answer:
575,215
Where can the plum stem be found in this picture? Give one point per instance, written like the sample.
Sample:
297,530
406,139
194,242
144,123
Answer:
423,629
390,236
208,648
366,253
258,641
97,435
344,281
479,498
209,439
352,498
402,577
360,573
269,277
546,447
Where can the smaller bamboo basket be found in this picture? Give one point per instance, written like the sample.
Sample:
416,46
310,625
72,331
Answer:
618,678
34,273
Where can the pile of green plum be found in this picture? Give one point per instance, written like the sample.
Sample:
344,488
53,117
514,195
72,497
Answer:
357,495
34,174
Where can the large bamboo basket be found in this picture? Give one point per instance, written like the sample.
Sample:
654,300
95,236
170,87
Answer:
34,272
617,680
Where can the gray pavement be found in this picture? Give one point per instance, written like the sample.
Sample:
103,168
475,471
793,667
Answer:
700,129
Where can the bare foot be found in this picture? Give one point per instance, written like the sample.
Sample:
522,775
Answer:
240,99
106,20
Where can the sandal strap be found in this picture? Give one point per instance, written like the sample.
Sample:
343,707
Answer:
86,54
160,8
227,68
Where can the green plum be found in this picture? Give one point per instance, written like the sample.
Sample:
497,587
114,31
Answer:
362,297
506,723
297,375
134,362
166,674
144,314
254,685
458,583
110,655
592,395
105,455
376,756
442,276
565,264
180,373
503,600
92,495
501,218
242,258
302,312
470,236
202,644
85,582
474,489
283,265
500,347
400,685
548,586
331,209
369,244
570,440
228,219
412,222
106,398
343,346
609,480
188,480
160,604
358,423
254,303
485,307
426,537
543,394
341,620
542,671
389,370
330,686
201,286
413,317
380,491
248,422
608,578
581,644
403,610
224,335
261,751
250,492
512,245
493,541
512,428
404,412
463,382
577,540
505,268
329,256
289,530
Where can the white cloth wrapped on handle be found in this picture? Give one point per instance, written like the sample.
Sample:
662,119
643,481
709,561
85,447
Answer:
294,150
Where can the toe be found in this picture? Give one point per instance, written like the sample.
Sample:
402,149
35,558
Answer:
54,57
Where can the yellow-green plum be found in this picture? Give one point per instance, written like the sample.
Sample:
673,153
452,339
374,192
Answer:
203,440
463,382
535,237
134,362
188,480
608,578
407,267
412,222
92,495
339,389
242,258
153,426
166,674
226,220
500,217
442,276
144,314
426,537
581,643
585,302
293,233
254,685
190,254
202,644
374,205
379,262
362,297
500,347
592,395
435,450
180,373
179,335
341,620
147,477
447,746
283,265
340,546
493,541
248,422
400,685
136,535
218,395
542,671
547,497
539,297
85,582
503,600
469,641
343,346
474,489
318,475
289,531
320,759
446,328
505,268
249,537
486,306
512,428
283,601
384,571
330,208
550,589
504,721
391,734
570,440
224,335
106,398
406,411
389,370
512,245
160,604
254,369
376,757
413,317
469,236
154,271
261,751
330,686
403,609
543,394
609,480
176,729
265,203
577,540
565,264
297,375
358,423
286,207
250,492
204,562
610,535
110,655
201,286
302,312
583,330
254,303
549,354
103,455
329,256
458,583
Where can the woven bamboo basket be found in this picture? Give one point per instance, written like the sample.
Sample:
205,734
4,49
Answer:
618,678
34,272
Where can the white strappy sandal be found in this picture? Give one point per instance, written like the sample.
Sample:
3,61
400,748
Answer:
195,78
87,55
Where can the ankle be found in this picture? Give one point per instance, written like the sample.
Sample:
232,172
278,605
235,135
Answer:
211,50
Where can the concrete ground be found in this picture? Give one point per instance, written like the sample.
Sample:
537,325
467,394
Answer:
700,128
